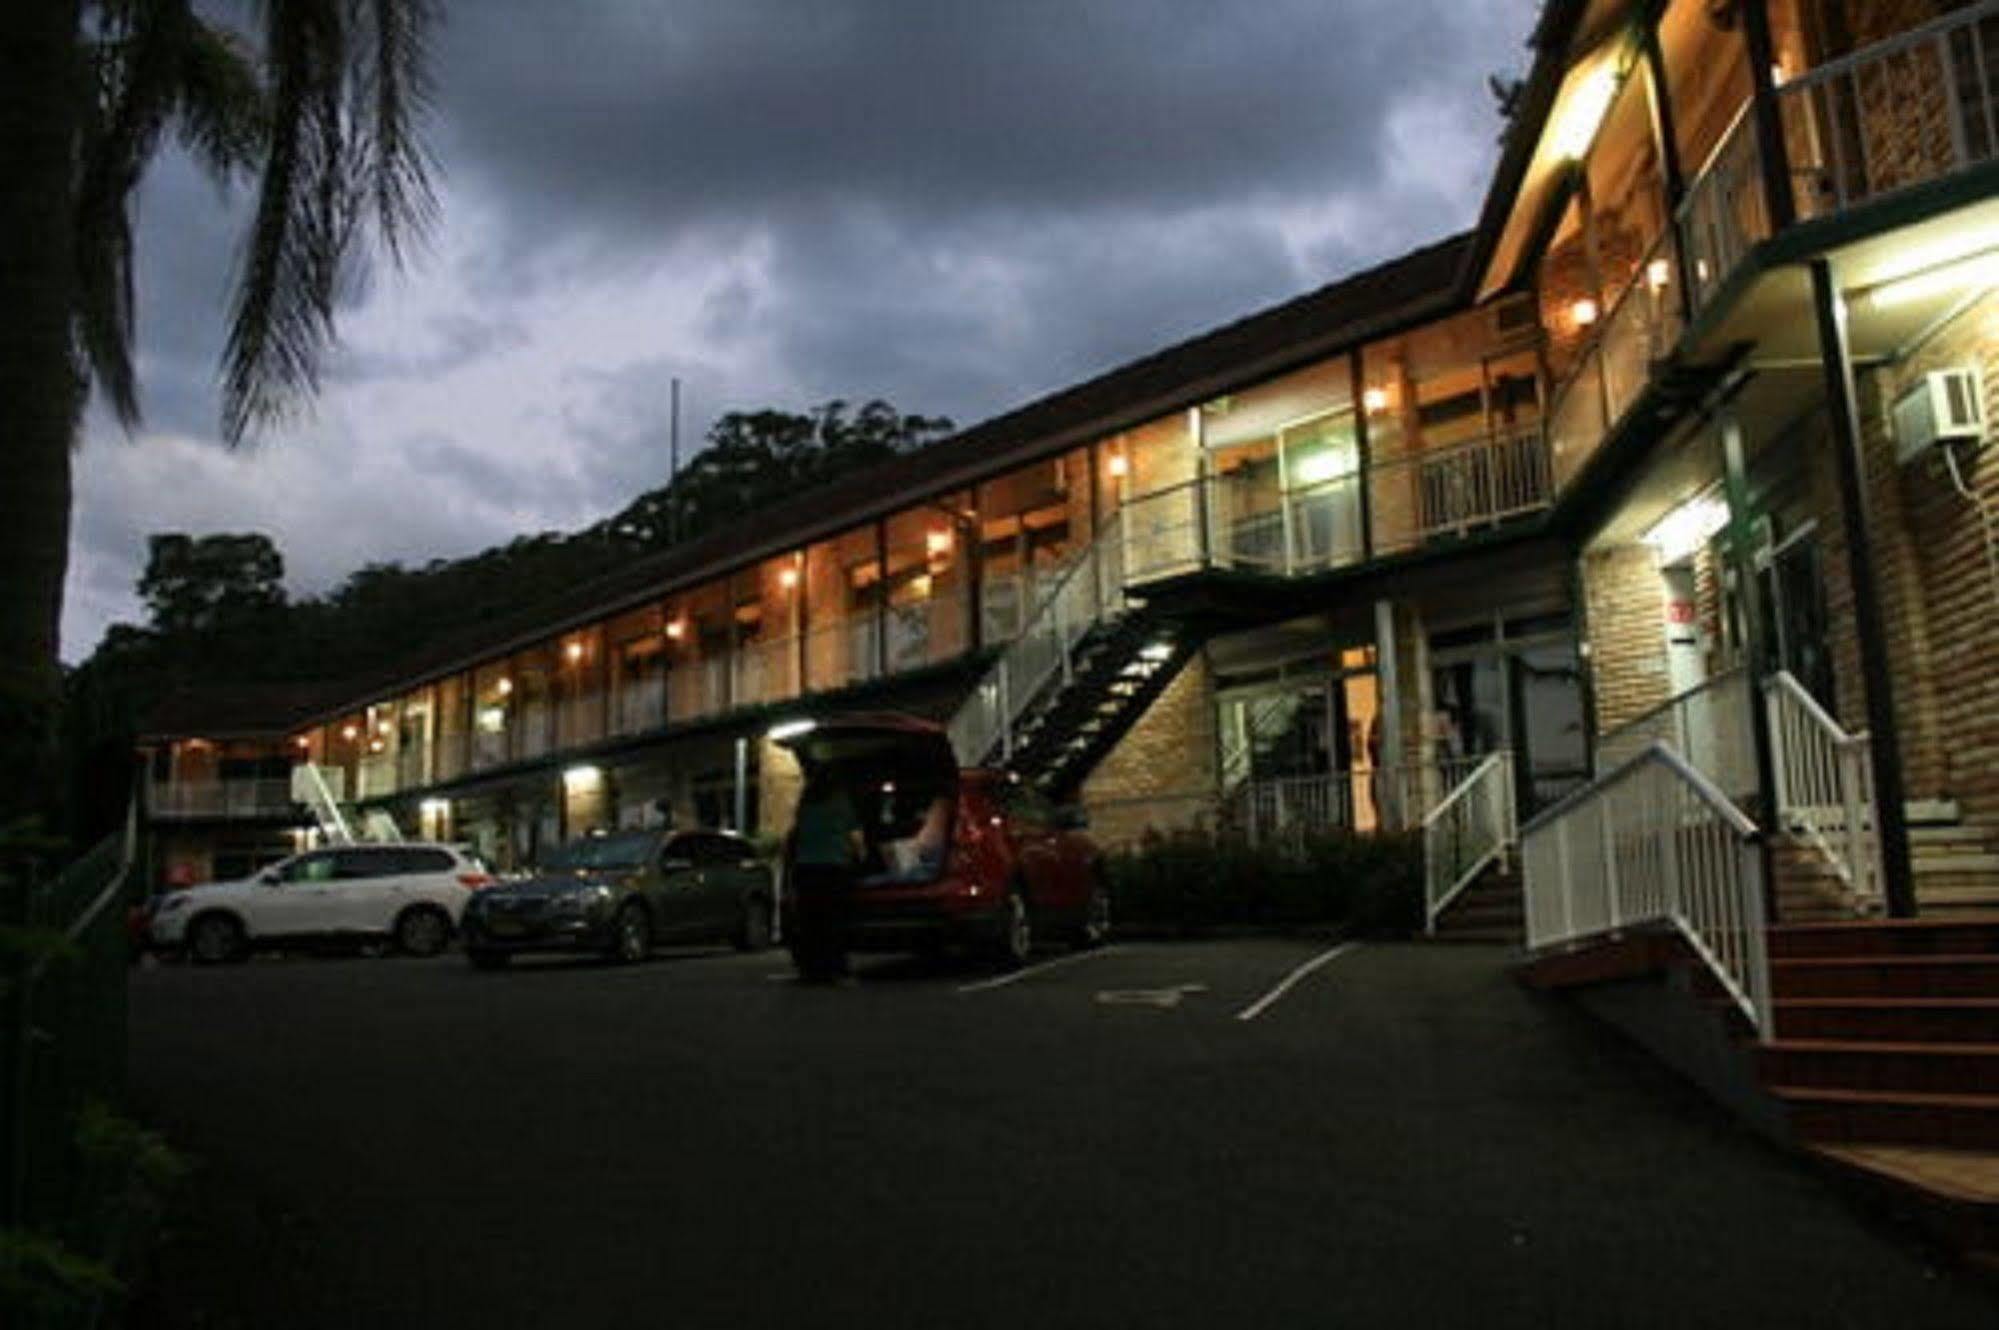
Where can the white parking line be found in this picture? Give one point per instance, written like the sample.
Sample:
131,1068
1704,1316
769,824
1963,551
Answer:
1262,1004
1015,976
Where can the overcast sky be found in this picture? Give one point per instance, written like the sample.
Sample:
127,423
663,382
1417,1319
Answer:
958,205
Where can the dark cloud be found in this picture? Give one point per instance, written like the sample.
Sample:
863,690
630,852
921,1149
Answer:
958,206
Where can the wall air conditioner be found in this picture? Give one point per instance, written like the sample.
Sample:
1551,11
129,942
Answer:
1943,406
1516,318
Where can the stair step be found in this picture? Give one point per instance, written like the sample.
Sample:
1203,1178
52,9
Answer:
1884,1067
1952,1193
1874,937
1939,976
1957,1121
1889,1020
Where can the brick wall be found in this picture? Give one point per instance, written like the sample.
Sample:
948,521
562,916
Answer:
1162,774
1626,602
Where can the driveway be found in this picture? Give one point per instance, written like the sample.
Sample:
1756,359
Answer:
1395,1136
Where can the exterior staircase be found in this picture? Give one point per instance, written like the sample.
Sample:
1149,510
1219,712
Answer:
1956,867
1492,909
1885,1057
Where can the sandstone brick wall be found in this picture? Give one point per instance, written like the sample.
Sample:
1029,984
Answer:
1626,602
1163,773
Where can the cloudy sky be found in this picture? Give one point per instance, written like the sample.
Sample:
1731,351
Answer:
957,205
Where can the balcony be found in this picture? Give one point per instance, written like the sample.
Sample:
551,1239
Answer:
188,800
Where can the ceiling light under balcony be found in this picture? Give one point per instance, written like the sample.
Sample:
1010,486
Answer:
582,778
1119,466
1582,112
1583,313
1683,530
1963,276
790,729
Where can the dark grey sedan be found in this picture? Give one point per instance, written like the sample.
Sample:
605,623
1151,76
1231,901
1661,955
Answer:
619,894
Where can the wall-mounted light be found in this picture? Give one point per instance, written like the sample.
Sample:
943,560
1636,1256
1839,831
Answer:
1583,313
937,541
435,808
1119,466
787,578
492,719
676,629
382,727
376,745
349,733
574,651
1375,400
582,778
1658,274
504,686
302,742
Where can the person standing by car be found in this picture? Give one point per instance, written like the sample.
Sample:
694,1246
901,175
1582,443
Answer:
828,848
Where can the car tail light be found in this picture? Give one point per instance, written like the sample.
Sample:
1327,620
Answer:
474,881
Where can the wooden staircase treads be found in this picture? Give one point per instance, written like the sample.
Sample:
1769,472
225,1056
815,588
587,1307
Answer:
1952,1193
1881,1066
1958,936
1890,1020
1956,1121
1886,976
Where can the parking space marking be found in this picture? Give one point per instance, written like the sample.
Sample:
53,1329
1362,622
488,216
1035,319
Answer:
1264,1003
1015,976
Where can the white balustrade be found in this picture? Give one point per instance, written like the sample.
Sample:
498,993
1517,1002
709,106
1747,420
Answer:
1825,791
1469,829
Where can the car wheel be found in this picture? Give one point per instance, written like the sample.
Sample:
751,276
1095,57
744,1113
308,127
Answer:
422,930
482,959
1095,928
753,931
631,934
213,939
1015,942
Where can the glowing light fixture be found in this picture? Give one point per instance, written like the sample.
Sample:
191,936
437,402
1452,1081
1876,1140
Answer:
676,629
1317,468
302,742
937,541
1120,465
435,807
787,578
1579,120
582,778
504,686
1375,400
790,729
574,651
1156,651
1658,274
492,719
376,745
349,733
1686,528
1980,270
1583,313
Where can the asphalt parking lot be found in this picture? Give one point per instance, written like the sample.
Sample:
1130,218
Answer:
1154,1135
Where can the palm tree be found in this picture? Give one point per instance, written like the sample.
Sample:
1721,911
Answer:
319,104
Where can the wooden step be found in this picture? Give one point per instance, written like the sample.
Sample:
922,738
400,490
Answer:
1885,976
1877,937
1950,1121
1886,1020
1884,1067
1952,1193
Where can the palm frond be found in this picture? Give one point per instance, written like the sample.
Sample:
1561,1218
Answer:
397,75
222,115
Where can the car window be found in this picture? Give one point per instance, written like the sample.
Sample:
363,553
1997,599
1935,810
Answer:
352,865
713,849
420,860
310,868
680,849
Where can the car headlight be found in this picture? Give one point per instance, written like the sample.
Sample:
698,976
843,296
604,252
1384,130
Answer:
583,900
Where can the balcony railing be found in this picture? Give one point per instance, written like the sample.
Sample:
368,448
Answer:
244,797
1612,372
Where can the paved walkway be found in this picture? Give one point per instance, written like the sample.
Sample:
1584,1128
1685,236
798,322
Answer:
1402,1137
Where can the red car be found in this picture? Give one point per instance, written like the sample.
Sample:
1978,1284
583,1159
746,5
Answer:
895,848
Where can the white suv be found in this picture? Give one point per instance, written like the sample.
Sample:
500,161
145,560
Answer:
412,894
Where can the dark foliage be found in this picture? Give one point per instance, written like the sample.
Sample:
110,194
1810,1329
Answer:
1191,881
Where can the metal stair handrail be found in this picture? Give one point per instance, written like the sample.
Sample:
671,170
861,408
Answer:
311,788
1822,772
1088,592
1653,842
1470,827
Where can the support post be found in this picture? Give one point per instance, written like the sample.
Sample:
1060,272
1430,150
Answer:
1390,703
742,786
1769,122
1885,746
1742,553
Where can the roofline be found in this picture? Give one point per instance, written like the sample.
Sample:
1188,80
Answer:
1452,297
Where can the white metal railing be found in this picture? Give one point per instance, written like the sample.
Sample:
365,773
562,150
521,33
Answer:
641,702
1653,842
1461,488
1472,826
1825,791
229,797
1915,107
1080,595
321,790
375,776
1285,809
1708,725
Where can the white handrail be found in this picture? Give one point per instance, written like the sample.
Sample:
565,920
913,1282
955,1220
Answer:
1469,828
1824,787
311,788
1708,725
1653,842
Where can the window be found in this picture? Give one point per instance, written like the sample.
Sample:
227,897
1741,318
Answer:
707,849
353,864
310,868
420,861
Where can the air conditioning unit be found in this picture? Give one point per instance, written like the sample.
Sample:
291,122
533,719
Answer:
1515,318
1943,406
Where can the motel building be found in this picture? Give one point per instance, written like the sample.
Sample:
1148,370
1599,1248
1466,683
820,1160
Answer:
1641,543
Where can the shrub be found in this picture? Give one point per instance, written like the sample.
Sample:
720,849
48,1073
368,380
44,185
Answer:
1190,881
